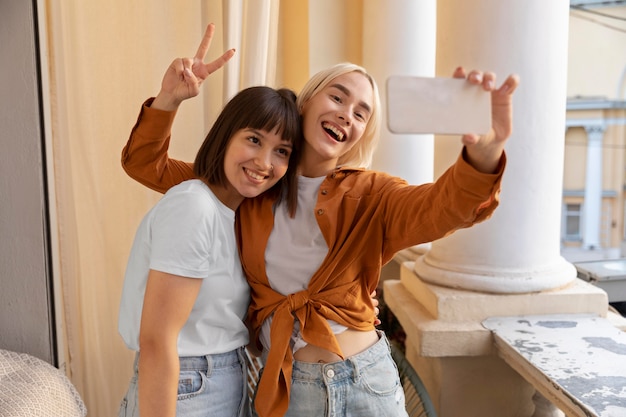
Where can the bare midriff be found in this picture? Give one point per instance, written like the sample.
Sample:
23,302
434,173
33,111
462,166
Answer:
351,342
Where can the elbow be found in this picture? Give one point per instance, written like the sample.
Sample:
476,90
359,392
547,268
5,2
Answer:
149,345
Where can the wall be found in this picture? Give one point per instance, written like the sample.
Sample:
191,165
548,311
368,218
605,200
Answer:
597,72
596,53
25,297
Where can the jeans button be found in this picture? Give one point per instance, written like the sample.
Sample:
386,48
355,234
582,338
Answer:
330,373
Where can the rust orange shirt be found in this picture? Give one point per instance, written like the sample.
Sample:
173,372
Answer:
365,217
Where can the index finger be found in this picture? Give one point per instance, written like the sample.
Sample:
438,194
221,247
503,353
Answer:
510,84
205,43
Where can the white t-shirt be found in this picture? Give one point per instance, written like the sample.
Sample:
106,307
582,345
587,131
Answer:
295,250
190,233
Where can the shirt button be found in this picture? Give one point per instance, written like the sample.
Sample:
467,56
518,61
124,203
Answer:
320,212
330,373
324,192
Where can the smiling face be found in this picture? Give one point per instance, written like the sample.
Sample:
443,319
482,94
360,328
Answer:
257,130
334,120
254,162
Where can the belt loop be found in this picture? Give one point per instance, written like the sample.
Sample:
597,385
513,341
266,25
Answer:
209,364
381,335
356,374
241,355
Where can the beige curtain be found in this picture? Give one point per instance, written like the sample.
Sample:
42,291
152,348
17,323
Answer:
105,58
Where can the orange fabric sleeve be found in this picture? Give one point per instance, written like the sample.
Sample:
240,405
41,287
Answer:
145,158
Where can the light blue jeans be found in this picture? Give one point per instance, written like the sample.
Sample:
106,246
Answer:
212,385
364,385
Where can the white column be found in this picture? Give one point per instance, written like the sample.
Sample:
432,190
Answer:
592,208
260,26
399,38
518,249
233,28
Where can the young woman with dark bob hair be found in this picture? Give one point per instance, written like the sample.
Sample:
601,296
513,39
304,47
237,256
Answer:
185,295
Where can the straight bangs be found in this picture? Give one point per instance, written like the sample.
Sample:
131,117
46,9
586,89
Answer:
276,116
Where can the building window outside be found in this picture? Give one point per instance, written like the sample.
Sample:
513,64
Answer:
572,223
572,217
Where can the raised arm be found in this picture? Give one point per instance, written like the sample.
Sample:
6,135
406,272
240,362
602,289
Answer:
145,157
484,152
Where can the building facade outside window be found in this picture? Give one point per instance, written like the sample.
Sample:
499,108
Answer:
572,217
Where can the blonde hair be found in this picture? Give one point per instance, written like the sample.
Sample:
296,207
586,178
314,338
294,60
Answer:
361,154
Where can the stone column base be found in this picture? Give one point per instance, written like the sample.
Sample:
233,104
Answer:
455,355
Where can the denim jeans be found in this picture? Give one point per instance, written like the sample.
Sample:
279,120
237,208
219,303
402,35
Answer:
212,385
364,385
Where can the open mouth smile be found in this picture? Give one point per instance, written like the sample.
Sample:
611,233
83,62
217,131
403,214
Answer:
334,132
255,175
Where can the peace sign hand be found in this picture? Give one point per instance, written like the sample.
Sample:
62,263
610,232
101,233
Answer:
184,76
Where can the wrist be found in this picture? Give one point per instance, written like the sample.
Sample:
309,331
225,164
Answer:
165,101
485,160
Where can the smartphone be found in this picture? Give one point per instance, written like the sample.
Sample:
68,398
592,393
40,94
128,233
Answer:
439,105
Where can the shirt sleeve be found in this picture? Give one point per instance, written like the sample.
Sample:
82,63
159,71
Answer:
182,235
460,198
145,158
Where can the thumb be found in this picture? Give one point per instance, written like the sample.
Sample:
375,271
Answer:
470,139
189,77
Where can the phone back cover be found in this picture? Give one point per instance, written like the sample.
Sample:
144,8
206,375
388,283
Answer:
437,105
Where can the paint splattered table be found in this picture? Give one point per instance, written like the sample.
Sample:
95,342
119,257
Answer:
578,362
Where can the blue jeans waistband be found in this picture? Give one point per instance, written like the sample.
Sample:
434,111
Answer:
349,368
207,362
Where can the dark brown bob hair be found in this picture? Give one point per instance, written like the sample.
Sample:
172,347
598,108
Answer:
262,108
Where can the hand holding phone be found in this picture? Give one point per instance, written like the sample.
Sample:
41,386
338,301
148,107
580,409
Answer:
439,105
